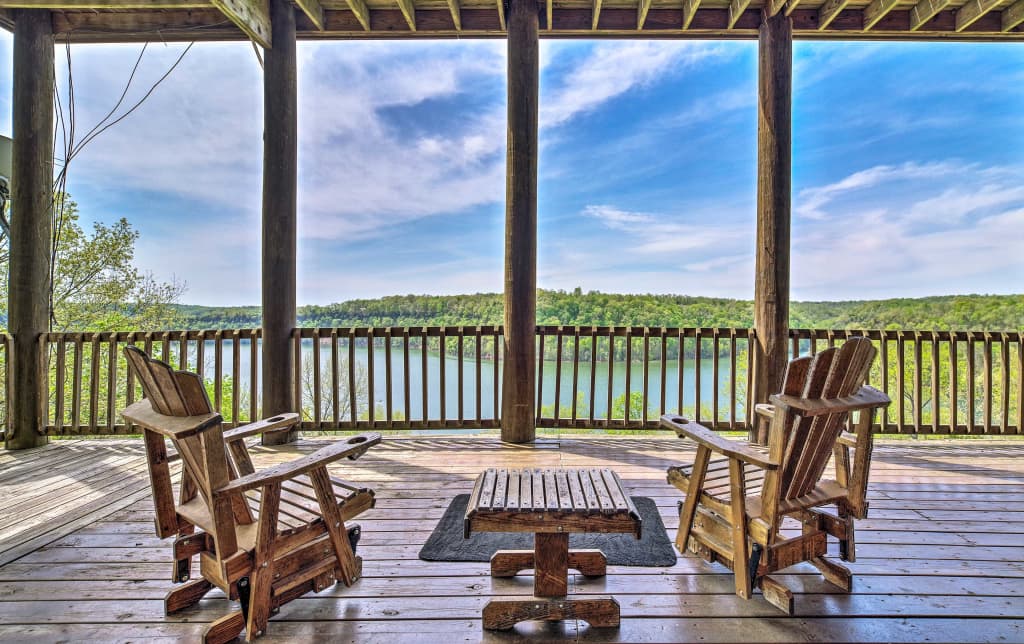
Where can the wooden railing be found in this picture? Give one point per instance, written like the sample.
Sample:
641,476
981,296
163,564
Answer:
449,377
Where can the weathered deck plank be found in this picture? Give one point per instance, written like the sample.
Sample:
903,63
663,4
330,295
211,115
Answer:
940,554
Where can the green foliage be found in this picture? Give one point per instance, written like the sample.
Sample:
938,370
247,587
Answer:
954,312
96,286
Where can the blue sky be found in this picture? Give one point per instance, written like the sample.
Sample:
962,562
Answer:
908,166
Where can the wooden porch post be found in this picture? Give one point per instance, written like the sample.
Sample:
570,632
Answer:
774,167
280,189
31,223
519,376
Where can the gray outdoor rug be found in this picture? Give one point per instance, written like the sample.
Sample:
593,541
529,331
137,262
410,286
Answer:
447,544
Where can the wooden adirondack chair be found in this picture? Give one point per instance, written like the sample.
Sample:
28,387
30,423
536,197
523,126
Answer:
737,507
264,538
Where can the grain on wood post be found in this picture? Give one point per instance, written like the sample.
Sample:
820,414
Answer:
32,201
517,406
774,167
280,189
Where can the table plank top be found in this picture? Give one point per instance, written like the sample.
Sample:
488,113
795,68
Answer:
551,500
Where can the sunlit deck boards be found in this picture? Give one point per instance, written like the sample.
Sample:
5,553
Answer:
940,557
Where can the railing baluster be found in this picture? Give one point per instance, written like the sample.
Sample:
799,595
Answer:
987,381
900,380
372,401
593,374
353,396
1020,383
696,373
629,373
611,373
1004,366
406,387
478,380
647,373
218,370
443,378
575,371
236,372
714,375
297,374
254,374
918,393
663,407
112,382
497,367
936,399
58,420
680,370
954,398
423,357
884,357
971,418
94,382
540,372
76,384
317,396
459,346
558,373
335,379
388,380
732,378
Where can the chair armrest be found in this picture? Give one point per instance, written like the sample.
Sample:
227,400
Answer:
847,439
353,446
281,421
143,414
866,398
764,410
686,429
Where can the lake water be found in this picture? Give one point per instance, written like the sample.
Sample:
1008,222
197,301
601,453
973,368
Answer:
451,365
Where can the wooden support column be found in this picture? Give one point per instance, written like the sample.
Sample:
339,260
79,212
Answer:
31,224
774,168
280,190
520,359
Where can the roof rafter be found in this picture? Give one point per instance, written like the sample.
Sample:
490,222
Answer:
314,10
551,12
968,14
597,14
1013,15
924,11
829,11
736,9
791,6
361,12
689,11
877,10
775,6
409,12
453,6
501,14
251,16
641,13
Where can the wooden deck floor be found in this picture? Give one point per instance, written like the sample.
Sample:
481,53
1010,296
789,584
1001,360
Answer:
941,557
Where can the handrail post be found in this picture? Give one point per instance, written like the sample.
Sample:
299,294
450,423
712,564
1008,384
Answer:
31,225
774,168
519,384
280,190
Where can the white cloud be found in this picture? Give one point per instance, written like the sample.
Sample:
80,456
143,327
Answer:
613,69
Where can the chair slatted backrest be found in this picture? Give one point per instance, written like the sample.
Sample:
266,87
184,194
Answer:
206,465
804,445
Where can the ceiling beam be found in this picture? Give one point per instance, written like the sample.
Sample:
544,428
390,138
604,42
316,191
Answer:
689,11
597,14
829,11
409,12
924,11
251,16
968,14
877,10
453,6
551,13
361,12
641,13
314,10
736,9
1013,15
84,5
501,14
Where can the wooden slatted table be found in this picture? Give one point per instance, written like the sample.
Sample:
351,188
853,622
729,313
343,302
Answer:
551,503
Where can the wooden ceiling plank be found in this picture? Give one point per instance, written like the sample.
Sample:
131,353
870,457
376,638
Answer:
409,12
453,6
361,11
924,11
251,16
597,15
736,9
689,11
1013,15
877,10
829,11
80,5
314,10
968,14
641,13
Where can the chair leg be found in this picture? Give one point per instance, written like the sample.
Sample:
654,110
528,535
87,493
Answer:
225,629
700,469
187,595
847,546
835,573
777,594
